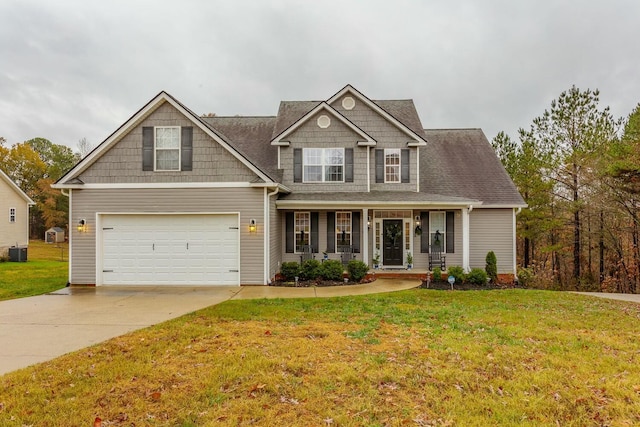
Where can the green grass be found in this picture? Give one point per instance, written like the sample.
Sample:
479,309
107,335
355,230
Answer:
46,270
419,357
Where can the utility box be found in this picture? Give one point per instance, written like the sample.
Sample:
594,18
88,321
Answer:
17,254
54,235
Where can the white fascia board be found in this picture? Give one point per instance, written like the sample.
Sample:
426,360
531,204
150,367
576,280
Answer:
280,187
133,185
353,91
278,140
522,206
329,204
135,119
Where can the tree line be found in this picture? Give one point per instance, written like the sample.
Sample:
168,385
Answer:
34,165
578,169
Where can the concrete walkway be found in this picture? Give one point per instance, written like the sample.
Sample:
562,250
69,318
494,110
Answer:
37,329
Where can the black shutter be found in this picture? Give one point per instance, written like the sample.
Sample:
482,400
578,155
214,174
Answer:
348,165
186,147
314,232
290,233
404,165
147,148
331,232
451,232
425,238
355,232
297,165
379,165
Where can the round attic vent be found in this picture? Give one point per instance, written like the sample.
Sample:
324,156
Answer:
348,103
324,121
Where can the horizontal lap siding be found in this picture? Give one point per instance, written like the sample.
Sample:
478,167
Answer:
16,232
491,230
421,260
249,202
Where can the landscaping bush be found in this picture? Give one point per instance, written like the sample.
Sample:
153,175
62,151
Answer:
525,277
310,269
357,270
477,276
491,266
457,272
331,270
437,274
290,270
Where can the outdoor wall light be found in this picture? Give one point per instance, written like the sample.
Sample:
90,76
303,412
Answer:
368,222
82,225
253,226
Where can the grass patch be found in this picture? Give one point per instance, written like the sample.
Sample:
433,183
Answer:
419,357
46,270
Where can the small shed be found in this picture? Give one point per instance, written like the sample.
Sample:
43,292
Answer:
54,235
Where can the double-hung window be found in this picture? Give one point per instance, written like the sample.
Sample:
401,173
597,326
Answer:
343,229
12,215
437,231
167,148
323,165
302,228
392,165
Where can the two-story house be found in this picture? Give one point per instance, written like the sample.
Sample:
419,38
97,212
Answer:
174,198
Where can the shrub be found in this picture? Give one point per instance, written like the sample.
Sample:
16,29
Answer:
477,276
491,266
290,270
457,272
357,270
331,270
310,269
525,277
437,274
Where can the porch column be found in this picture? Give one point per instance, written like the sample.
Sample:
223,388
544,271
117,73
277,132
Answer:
365,235
465,237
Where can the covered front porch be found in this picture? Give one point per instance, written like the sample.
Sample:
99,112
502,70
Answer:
393,236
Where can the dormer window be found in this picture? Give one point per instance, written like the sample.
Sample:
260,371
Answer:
323,165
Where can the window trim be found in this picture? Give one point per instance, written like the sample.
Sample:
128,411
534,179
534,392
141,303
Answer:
387,152
323,164
297,232
156,149
442,232
349,233
13,215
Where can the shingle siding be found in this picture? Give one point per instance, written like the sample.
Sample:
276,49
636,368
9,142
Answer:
249,202
123,162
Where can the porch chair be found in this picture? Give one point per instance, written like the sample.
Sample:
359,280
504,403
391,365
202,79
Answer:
346,253
437,259
307,253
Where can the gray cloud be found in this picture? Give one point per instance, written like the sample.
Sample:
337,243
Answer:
71,69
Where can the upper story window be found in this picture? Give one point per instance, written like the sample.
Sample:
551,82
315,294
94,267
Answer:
12,215
323,165
392,165
167,148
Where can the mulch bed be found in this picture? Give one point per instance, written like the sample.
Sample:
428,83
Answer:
319,283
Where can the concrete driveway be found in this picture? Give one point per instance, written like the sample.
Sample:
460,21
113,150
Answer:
37,329
40,328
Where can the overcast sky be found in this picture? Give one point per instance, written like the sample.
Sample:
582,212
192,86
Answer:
75,69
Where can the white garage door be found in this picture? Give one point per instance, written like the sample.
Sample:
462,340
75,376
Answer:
170,250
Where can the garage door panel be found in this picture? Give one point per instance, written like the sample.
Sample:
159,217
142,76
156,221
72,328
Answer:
170,249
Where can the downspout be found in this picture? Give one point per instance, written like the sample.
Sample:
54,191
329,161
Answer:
267,236
68,195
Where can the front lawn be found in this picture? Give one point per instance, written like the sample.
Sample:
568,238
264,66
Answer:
45,270
416,358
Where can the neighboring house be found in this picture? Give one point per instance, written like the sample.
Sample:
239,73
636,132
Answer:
14,223
174,198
